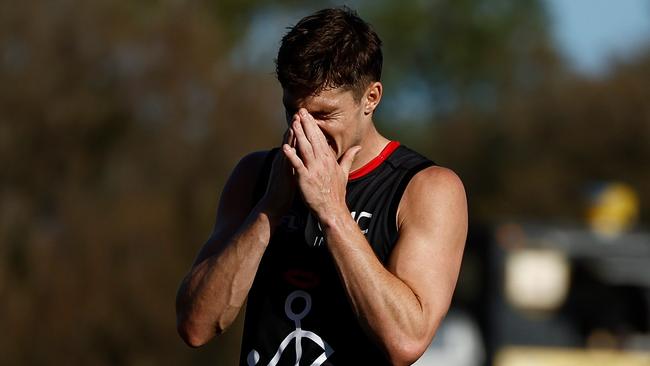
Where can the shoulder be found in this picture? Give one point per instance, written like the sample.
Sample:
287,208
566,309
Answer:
436,178
243,179
406,158
251,165
433,190
254,160
237,196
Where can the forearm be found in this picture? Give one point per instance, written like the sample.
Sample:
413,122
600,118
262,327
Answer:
386,307
214,291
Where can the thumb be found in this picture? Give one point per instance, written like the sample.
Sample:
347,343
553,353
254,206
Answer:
348,158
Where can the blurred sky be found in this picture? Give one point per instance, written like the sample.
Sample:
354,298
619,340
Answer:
590,32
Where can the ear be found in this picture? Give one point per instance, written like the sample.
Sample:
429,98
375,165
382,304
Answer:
372,97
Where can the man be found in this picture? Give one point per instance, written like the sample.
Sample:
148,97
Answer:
347,245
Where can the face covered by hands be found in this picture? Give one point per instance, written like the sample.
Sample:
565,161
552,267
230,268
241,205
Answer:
320,178
281,185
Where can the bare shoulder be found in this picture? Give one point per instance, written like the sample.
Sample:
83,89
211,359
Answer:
436,178
434,190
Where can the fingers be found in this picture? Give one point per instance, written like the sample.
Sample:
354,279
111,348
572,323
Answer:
291,138
302,143
311,129
293,158
291,142
310,140
288,136
348,158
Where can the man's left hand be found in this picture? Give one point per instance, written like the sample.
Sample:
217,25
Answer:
321,179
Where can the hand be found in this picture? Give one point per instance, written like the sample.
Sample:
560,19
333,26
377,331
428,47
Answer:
281,185
321,179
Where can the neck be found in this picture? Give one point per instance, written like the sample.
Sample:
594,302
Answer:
371,145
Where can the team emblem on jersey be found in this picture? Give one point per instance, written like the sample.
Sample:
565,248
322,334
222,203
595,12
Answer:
314,232
297,335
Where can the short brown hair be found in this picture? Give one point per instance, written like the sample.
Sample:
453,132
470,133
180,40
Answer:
331,48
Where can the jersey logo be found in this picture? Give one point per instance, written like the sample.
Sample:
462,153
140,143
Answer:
297,335
318,239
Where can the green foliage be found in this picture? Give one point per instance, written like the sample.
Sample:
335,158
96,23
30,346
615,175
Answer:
469,52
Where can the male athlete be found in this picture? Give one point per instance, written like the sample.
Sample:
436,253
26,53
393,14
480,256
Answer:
346,244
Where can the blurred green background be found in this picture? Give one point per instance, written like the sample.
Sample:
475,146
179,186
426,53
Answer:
121,120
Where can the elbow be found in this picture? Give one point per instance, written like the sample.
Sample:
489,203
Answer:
407,352
192,335
191,331
195,332
195,329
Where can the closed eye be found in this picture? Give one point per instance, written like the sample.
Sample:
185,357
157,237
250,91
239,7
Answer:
323,116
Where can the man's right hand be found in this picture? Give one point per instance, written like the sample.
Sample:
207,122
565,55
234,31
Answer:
281,187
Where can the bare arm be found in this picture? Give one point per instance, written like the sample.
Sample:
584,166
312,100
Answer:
214,290
400,306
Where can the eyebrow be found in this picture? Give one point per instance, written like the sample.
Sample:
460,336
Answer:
324,109
322,112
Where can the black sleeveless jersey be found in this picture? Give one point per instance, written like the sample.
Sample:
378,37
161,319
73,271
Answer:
298,311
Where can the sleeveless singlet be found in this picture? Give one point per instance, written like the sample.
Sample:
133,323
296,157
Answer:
298,312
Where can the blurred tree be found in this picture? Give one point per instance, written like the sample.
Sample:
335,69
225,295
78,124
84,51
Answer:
119,122
462,54
537,156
